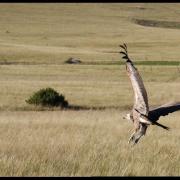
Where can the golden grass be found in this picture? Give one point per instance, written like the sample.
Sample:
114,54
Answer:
85,85
84,143
51,33
36,39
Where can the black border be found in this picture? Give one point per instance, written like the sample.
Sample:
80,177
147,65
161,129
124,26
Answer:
89,1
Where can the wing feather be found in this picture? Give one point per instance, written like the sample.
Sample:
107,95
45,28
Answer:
141,100
163,110
140,94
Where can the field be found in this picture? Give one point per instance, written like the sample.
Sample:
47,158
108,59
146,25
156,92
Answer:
91,140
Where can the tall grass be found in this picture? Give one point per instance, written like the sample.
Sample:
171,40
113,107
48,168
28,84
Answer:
90,138
84,143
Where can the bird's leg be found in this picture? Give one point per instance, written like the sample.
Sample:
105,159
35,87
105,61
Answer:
133,134
141,132
131,137
134,138
137,137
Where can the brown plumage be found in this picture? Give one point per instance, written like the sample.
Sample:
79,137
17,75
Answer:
140,114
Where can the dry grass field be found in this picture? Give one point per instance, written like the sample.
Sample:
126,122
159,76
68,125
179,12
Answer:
84,143
36,40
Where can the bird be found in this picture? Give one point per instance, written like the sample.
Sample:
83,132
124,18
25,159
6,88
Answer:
141,115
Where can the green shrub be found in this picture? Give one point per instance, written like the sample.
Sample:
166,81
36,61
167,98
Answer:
47,97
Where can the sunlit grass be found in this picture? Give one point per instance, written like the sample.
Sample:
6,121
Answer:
84,143
90,138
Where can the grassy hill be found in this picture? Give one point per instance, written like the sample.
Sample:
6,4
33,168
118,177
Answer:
91,140
51,33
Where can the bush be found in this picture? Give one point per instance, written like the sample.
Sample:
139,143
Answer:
47,97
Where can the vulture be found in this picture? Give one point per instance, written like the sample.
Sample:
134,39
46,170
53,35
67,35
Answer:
141,115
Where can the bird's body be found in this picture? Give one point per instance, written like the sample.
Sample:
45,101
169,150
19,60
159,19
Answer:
140,114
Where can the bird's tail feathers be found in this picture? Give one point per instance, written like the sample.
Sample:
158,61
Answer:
160,125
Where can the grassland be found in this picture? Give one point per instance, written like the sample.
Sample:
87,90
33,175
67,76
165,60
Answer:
84,143
36,39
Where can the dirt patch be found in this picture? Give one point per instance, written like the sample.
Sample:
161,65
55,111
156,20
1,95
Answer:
160,24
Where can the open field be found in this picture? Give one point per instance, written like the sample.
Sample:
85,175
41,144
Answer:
51,33
84,143
86,85
36,39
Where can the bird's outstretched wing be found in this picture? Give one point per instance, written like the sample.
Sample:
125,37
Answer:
140,94
163,110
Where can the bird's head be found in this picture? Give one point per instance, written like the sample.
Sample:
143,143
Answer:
128,117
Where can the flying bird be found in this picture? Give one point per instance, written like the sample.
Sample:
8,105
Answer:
141,115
